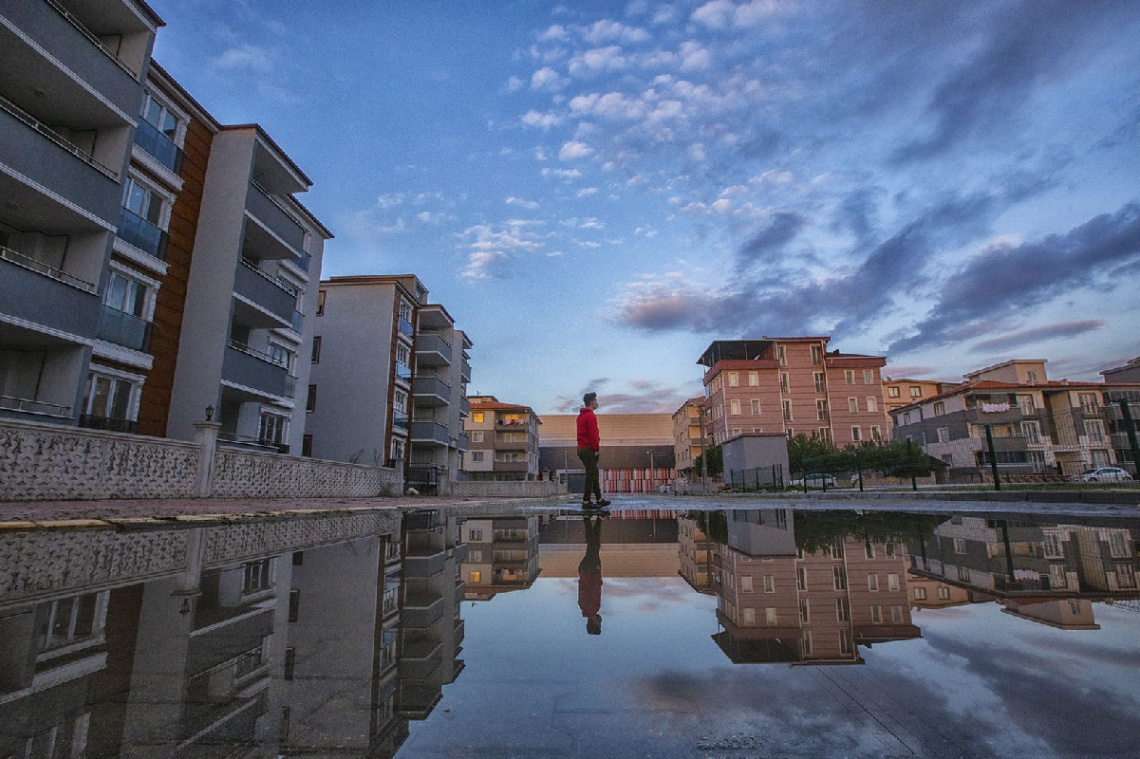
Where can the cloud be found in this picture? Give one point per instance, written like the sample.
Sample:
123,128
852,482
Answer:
541,120
562,173
547,78
247,57
573,150
586,192
1005,279
493,249
608,31
771,240
1017,340
598,60
530,205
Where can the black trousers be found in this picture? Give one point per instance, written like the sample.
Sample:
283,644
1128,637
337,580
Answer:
593,480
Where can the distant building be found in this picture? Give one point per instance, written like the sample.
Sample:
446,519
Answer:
389,374
637,453
903,392
502,555
756,458
503,439
795,386
687,433
1039,428
1130,372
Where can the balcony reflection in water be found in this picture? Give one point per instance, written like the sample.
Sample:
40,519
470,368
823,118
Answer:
974,635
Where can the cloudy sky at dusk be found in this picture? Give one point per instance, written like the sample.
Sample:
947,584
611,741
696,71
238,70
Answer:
597,190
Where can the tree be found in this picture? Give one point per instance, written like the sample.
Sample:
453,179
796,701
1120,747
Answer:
802,448
715,457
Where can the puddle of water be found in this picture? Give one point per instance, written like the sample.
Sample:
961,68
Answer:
742,633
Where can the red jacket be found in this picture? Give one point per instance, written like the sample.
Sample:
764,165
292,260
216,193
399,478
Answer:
588,436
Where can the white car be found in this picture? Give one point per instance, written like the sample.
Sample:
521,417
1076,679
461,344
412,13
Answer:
816,480
1106,474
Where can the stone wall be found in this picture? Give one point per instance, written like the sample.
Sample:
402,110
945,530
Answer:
42,462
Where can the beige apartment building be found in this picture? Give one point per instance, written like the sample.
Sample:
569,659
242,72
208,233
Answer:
795,386
637,451
503,439
903,392
688,429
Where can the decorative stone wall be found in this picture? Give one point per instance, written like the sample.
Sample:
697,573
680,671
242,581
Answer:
41,462
252,474
50,462
226,544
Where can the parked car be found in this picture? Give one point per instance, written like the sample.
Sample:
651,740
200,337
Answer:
816,481
1106,474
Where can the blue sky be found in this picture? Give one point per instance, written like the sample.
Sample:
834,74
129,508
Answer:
597,190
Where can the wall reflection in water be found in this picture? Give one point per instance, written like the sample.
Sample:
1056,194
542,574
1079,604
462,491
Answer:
266,638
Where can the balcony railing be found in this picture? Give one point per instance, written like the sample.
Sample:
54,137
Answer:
429,432
123,329
30,263
158,145
92,422
432,349
32,406
406,327
298,322
275,360
402,371
270,212
400,419
142,234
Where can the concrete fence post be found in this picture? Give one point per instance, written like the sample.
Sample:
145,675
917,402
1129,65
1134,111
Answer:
206,437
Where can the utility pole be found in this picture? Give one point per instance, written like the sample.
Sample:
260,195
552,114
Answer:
993,456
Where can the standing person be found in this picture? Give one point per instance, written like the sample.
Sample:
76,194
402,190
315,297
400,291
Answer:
589,447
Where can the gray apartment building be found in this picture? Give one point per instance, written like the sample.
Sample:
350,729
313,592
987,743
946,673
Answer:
389,377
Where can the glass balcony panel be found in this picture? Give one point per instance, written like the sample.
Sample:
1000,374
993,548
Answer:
158,145
123,329
142,234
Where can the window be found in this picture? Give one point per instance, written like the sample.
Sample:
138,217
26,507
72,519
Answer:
869,550
108,397
126,294
943,592
852,405
160,117
839,578
476,457
271,428
749,616
876,432
825,434
397,449
920,594
817,354
893,392
868,376
403,355
915,391
311,399
477,436
405,310
782,355
1094,429
872,582
746,583
1031,431
307,445
783,383
856,433
842,610
876,614
320,302
1031,376
143,201
475,577
400,401
257,576
939,408
477,417
892,582
807,643
943,434
820,382
753,379
769,584
896,614
294,605
964,574
290,662
805,611
872,403
316,356
69,620
821,410
801,578
734,407
770,617
787,411
849,376
733,379
281,356
959,545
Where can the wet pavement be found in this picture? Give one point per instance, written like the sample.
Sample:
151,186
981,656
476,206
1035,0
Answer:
672,627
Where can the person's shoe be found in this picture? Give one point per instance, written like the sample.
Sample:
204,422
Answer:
602,503
587,505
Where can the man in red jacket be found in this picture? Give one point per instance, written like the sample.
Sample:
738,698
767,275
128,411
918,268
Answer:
589,447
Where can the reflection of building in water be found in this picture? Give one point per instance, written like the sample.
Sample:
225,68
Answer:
205,640
430,628
1047,573
502,555
778,603
633,544
695,555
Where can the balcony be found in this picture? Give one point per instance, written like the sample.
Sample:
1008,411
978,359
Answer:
431,391
139,232
257,286
429,432
27,262
464,406
511,445
34,407
47,26
158,146
406,327
123,329
400,420
432,350
276,219
298,323
424,567
511,466
34,150
253,369
403,372
107,423
465,370
464,442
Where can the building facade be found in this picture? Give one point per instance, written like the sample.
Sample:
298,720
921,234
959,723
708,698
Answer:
688,429
389,376
903,392
794,386
637,453
503,439
1039,428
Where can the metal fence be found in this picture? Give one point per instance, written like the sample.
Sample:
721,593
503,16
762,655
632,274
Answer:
756,479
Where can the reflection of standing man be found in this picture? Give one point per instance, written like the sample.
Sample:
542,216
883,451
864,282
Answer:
590,577
589,447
